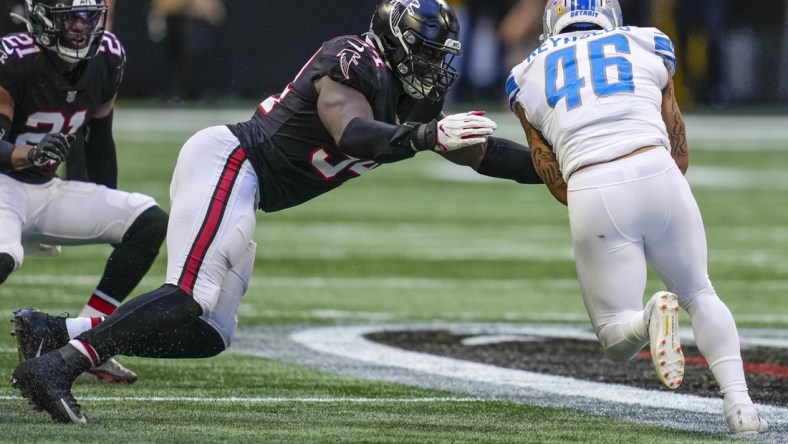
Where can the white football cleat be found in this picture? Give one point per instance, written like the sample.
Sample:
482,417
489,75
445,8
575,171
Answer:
745,420
662,317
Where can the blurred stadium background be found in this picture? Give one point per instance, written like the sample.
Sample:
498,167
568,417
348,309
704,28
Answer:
732,53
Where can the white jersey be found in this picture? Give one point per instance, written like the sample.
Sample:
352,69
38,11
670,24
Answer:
583,90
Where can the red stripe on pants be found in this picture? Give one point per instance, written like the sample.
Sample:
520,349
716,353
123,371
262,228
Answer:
212,221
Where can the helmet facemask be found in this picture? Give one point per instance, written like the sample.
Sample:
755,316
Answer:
426,71
72,31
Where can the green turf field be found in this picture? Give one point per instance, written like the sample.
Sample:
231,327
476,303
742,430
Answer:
418,241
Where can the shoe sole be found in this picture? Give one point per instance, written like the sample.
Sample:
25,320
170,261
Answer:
112,379
664,338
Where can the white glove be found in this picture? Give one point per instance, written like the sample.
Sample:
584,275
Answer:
461,130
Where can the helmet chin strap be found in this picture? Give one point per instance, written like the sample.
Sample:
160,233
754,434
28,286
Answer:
61,52
22,19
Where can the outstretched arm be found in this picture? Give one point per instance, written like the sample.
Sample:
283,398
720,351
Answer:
348,117
339,104
544,160
674,123
500,158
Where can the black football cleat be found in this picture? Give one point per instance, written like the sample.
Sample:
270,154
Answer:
46,382
38,333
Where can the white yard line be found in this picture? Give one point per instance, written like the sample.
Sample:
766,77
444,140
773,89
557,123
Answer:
345,350
263,400
349,343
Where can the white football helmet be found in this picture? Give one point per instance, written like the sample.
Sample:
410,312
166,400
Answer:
579,15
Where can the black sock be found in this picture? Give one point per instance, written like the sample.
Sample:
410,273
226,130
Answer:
7,265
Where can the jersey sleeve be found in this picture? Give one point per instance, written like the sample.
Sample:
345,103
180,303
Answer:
512,91
352,62
663,47
12,66
115,55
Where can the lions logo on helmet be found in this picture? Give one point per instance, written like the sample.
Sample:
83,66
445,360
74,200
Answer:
419,40
71,28
579,15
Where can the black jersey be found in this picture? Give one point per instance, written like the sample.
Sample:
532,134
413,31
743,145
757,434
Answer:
293,154
47,102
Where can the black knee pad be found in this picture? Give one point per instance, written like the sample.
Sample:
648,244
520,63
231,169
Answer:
7,265
148,230
133,257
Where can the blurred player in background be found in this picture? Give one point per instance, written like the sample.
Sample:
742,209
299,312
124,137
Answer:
190,33
358,103
597,104
57,90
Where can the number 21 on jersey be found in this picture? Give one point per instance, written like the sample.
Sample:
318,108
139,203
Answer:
607,68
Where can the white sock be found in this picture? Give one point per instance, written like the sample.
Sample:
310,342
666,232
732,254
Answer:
624,336
734,389
77,326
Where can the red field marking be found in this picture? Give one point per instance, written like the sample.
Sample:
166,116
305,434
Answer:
758,368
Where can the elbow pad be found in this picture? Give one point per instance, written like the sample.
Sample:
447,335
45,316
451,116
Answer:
387,143
506,159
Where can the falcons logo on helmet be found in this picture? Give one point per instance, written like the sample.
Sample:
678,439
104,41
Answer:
348,58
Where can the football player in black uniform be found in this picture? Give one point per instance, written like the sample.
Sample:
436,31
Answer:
359,102
57,89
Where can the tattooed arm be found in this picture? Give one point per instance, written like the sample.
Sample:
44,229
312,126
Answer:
544,160
675,125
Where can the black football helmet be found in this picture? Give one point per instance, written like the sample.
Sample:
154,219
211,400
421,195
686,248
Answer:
419,40
71,28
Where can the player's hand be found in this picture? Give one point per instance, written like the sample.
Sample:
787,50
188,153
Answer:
51,150
461,130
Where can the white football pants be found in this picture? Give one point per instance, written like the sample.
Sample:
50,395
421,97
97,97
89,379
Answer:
640,209
210,248
64,212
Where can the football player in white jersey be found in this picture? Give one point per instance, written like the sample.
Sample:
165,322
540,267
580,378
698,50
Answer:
596,101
